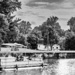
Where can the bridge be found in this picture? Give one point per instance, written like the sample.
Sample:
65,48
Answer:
24,50
58,54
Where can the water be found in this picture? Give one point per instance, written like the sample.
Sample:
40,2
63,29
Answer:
55,67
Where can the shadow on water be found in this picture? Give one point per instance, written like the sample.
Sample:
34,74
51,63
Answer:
51,61
1,73
51,68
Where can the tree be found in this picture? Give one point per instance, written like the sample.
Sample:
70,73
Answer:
71,24
33,41
24,27
3,28
37,32
69,34
7,7
21,40
48,29
50,38
52,21
70,43
13,33
24,31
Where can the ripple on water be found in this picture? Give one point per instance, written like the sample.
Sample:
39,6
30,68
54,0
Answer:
61,67
23,72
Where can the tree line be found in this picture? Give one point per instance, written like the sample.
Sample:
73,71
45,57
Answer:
20,31
12,30
51,33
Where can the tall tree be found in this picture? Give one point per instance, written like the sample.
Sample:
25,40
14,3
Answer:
70,43
37,32
3,27
24,27
7,7
71,24
49,31
52,21
24,31
33,41
13,33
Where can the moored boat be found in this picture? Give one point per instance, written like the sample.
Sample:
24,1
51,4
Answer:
11,62
17,60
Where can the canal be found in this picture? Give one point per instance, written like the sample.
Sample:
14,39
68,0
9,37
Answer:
55,67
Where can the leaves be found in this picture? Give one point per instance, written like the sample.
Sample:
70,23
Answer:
71,23
70,43
24,27
9,6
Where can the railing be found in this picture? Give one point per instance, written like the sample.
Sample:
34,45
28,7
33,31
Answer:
24,50
37,51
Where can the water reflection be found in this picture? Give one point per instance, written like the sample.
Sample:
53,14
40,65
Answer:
23,72
61,67
55,67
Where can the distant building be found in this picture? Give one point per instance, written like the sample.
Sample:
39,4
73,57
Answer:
56,47
11,46
43,47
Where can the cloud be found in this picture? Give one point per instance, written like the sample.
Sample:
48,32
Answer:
41,2
51,4
33,23
37,3
30,13
50,1
37,11
63,19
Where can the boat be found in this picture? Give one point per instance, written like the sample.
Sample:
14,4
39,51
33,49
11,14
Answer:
22,68
12,61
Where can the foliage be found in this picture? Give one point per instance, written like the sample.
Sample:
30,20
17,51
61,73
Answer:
70,43
50,37
69,34
21,40
13,32
7,25
9,6
24,27
52,21
3,27
48,29
67,42
37,32
32,40
71,23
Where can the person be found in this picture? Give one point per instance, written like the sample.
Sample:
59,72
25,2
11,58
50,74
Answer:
16,67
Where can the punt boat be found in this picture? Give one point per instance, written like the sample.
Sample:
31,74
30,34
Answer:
10,60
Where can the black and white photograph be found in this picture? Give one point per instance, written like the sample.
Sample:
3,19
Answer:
37,37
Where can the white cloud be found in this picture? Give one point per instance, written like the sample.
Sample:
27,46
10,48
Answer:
67,4
64,11
42,3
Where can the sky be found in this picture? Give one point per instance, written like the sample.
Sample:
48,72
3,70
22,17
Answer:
37,11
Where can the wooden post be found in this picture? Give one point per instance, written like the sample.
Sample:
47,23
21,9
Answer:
48,57
0,66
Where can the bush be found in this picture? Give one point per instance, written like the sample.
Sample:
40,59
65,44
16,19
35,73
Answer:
33,41
70,43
